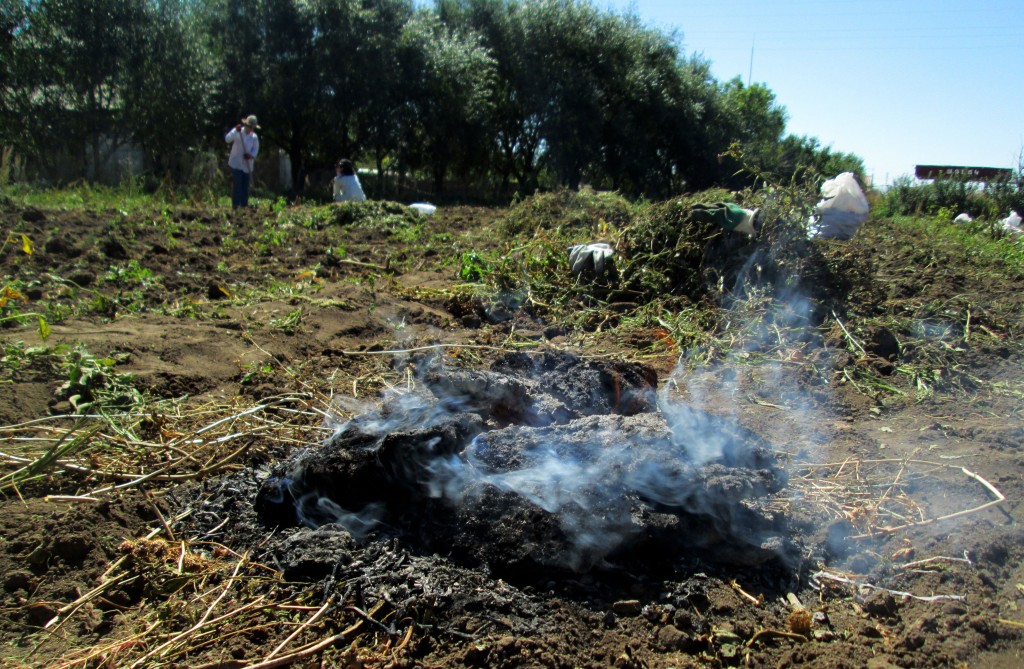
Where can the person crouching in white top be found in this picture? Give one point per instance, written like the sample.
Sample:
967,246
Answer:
346,183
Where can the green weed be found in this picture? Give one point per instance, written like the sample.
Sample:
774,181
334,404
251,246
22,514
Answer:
579,211
287,324
254,373
130,275
474,267
94,384
128,197
16,357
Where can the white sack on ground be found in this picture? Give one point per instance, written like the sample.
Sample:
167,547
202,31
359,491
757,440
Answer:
1012,223
842,209
423,208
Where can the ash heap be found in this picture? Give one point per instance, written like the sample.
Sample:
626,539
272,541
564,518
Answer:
542,463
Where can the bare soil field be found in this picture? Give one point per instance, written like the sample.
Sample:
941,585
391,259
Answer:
286,438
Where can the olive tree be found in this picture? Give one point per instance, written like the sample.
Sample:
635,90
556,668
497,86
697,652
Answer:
448,103
168,91
367,79
519,87
14,73
81,53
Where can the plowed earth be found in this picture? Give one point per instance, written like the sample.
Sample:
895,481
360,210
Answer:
893,558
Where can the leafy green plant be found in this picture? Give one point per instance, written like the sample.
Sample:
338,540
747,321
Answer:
16,357
582,210
287,324
313,218
254,372
474,267
271,236
94,383
130,275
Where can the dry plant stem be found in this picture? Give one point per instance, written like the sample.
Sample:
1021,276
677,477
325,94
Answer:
406,639
308,650
68,442
73,606
194,636
163,521
70,498
896,593
250,410
938,558
161,474
312,619
65,612
776,633
202,621
756,601
83,661
999,499
427,348
1011,623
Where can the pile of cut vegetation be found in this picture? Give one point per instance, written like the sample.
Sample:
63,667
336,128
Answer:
378,214
585,211
664,255
667,251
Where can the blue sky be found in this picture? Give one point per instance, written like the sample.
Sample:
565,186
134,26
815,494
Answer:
898,82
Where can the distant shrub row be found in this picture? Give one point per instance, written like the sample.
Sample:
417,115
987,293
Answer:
985,201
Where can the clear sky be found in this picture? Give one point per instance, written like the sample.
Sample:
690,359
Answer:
898,82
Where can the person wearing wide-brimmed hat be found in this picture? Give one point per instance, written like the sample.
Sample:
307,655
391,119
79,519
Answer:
245,144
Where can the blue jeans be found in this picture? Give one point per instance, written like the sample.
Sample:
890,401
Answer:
240,181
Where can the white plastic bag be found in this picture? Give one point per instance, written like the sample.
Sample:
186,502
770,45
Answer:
423,208
1012,223
842,209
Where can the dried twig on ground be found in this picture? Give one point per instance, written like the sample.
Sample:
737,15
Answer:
852,493
839,578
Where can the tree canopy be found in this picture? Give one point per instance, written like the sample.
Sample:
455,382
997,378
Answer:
495,95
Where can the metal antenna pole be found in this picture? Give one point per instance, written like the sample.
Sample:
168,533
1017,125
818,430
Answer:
750,73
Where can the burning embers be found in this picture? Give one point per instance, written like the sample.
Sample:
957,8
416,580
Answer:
542,461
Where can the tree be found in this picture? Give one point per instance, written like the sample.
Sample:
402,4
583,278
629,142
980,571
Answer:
168,94
14,66
545,93
519,88
805,157
367,78
86,78
82,53
641,95
753,122
568,45
450,99
693,136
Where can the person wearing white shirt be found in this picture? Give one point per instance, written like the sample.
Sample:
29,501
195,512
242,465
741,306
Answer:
245,144
346,183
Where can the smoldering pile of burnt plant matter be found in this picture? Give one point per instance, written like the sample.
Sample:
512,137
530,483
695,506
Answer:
540,464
